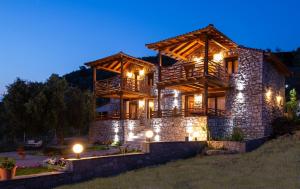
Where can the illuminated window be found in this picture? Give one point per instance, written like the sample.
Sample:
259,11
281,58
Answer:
232,65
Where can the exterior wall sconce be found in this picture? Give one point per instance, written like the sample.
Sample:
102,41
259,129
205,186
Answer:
269,94
77,149
129,74
218,57
141,72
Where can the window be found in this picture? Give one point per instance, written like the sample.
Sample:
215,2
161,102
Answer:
232,65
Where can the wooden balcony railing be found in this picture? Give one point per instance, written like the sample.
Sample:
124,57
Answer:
116,115
188,70
113,84
191,112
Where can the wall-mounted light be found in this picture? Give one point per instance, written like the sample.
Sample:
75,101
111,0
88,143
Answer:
279,100
197,59
176,93
269,94
218,57
141,72
198,99
129,74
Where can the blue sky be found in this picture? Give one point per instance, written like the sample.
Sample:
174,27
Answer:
40,37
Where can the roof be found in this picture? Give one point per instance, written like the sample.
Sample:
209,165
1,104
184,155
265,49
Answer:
215,34
113,63
277,63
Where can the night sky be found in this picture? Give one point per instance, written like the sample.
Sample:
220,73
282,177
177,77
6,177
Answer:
40,37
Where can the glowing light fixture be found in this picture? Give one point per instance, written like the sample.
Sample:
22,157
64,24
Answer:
218,57
198,99
142,72
129,74
77,149
197,59
269,94
149,134
278,99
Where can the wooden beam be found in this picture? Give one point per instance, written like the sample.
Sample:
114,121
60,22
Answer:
107,69
219,44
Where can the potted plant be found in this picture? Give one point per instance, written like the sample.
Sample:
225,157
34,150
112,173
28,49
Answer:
7,168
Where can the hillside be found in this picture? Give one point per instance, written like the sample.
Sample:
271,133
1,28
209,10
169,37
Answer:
274,165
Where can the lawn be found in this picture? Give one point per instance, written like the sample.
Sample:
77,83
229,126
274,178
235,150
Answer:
32,170
275,165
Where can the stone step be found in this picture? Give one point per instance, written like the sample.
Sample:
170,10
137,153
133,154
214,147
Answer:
219,152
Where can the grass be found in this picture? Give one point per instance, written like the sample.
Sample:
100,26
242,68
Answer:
275,165
32,170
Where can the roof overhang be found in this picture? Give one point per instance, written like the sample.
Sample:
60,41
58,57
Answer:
180,47
113,63
278,64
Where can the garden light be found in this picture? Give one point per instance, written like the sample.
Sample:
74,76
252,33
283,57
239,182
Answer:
77,149
149,134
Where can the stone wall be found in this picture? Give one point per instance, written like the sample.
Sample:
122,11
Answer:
104,131
219,127
274,95
244,100
103,166
178,128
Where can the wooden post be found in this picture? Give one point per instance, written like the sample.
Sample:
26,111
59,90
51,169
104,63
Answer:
216,105
158,89
206,73
205,97
94,80
206,55
122,100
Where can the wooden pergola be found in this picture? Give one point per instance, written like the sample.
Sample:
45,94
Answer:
116,87
203,42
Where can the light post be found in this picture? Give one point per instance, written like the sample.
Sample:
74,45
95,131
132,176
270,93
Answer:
149,134
77,149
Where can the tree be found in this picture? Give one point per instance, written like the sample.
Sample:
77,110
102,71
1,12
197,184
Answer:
292,104
15,104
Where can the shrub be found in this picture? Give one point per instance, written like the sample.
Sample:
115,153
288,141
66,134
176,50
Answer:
7,163
282,125
237,134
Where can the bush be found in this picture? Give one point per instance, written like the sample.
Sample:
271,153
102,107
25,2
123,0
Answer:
7,163
237,134
283,125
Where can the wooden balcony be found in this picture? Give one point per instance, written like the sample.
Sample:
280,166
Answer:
191,112
189,76
132,88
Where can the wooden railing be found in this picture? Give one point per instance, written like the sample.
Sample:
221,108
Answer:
116,115
114,84
191,112
187,70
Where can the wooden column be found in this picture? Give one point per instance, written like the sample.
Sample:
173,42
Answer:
158,89
94,80
122,100
205,73
216,105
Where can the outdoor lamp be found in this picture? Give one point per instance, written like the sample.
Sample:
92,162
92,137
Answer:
77,149
149,134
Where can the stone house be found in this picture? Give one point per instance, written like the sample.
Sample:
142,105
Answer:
214,86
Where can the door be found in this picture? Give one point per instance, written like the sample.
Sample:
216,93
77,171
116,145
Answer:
133,110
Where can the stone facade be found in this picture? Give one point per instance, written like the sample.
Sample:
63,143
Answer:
178,128
255,98
107,131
